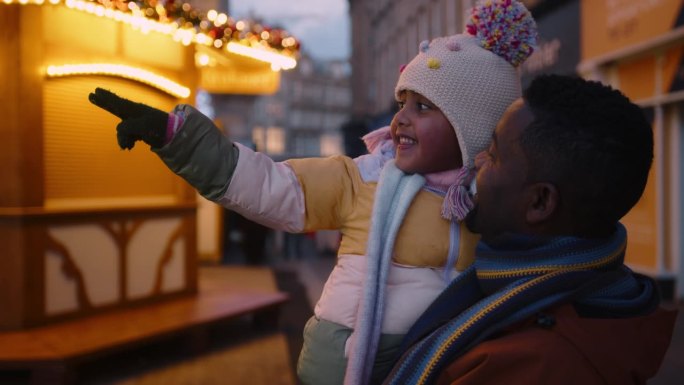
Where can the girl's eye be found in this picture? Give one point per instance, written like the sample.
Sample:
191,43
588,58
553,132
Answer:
401,104
423,107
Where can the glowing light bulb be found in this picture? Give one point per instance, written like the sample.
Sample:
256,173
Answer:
222,18
203,60
284,62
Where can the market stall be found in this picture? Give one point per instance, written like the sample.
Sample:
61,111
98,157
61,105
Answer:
84,226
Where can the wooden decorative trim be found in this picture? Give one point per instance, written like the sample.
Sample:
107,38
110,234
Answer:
120,224
70,270
190,225
166,258
121,245
122,236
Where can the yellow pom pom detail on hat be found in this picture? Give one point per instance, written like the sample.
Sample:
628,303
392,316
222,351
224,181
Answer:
433,63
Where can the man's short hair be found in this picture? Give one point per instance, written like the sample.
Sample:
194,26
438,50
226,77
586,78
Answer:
590,141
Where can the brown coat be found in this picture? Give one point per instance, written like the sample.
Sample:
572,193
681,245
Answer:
574,350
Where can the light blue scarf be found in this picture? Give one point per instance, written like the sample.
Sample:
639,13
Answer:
394,194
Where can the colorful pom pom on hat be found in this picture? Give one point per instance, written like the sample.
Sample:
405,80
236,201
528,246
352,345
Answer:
473,77
504,28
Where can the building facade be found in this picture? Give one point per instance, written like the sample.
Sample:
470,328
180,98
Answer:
638,47
302,118
385,35
313,104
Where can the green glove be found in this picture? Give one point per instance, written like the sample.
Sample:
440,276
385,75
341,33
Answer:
138,121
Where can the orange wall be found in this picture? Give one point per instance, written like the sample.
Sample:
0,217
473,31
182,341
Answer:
609,25
642,228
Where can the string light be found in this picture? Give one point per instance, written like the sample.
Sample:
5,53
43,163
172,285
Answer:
249,44
120,70
221,19
203,59
278,62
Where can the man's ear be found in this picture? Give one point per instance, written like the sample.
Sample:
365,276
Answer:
543,203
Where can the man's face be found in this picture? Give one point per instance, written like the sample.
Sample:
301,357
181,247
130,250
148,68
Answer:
423,136
501,178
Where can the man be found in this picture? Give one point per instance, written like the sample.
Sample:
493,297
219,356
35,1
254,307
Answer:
548,299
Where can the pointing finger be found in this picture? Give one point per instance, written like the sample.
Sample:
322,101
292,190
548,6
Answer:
109,101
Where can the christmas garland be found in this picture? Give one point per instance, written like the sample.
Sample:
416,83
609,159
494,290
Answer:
224,29
215,28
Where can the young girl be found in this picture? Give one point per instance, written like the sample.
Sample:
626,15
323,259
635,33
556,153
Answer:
399,208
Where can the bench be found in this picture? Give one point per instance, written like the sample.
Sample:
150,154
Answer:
52,352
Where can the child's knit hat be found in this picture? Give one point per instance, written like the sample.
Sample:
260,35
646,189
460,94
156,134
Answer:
472,77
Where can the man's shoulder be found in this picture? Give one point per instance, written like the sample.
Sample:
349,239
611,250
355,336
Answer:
558,346
541,335
530,352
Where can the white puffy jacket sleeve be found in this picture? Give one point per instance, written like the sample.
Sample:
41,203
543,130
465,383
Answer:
233,175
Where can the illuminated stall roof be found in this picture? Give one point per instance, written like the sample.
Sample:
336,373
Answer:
186,25
120,70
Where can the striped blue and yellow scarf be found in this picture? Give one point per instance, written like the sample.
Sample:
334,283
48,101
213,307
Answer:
512,281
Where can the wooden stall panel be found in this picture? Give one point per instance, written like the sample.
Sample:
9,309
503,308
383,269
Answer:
153,50
93,255
69,33
155,258
84,165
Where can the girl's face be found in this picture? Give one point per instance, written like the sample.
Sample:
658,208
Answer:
424,138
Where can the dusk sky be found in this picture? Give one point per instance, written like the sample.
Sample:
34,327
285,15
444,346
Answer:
322,26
